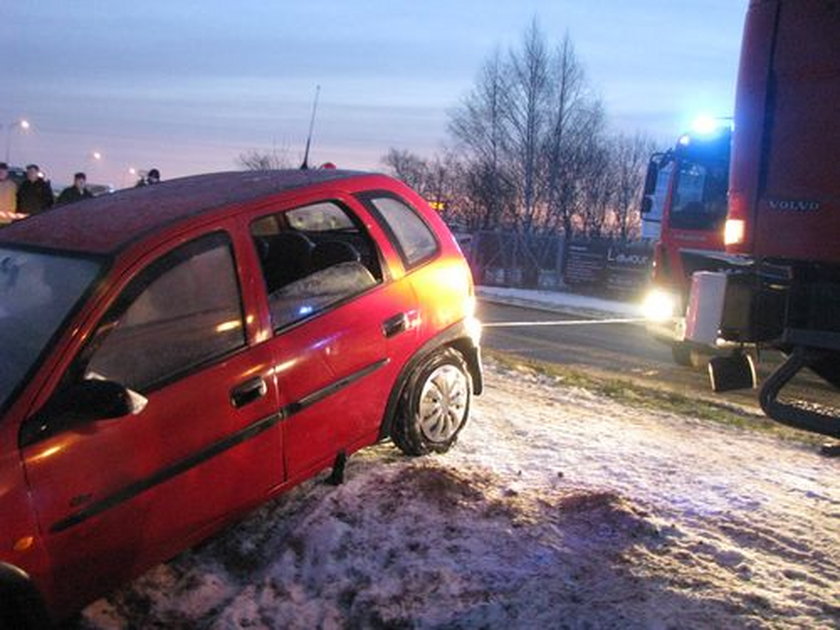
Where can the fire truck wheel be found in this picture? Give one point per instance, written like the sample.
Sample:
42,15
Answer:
681,353
687,356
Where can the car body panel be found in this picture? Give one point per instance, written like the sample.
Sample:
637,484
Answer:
93,504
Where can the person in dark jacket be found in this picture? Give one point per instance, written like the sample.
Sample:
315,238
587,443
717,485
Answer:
35,194
76,192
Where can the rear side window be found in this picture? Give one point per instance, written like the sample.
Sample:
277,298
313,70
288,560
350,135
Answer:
182,311
313,258
413,239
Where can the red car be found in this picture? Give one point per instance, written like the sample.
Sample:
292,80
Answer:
174,355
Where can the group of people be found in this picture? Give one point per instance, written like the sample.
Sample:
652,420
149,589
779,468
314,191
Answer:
34,194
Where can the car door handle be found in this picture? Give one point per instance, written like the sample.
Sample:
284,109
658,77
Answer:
395,325
248,392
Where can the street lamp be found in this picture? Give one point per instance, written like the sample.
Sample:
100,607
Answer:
23,124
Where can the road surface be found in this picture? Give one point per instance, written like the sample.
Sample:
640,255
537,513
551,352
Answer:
624,349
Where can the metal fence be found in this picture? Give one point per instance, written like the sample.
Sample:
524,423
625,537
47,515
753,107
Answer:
600,266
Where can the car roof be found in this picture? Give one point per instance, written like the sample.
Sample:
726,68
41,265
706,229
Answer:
109,223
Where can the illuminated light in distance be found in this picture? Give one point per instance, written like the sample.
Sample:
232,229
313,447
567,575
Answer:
659,305
685,140
733,233
705,125
305,310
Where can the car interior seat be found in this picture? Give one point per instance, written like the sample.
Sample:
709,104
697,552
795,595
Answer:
289,258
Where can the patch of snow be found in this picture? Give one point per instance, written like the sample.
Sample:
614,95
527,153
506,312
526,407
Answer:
557,509
570,303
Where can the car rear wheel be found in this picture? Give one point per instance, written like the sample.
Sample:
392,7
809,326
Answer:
434,406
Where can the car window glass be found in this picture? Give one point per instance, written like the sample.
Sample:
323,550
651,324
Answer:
183,311
700,197
37,292
320,217
312,258
414,239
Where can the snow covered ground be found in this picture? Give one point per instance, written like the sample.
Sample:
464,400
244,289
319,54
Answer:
572,303
557,509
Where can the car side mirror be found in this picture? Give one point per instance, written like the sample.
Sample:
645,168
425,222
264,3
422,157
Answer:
79,403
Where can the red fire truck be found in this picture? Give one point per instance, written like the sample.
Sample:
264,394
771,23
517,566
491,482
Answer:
783,227
683,212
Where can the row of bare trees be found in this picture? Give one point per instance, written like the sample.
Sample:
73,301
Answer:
530,151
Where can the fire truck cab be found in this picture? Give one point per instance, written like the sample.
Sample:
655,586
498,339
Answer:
683,212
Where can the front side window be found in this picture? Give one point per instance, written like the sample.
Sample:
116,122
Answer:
699,197
181,312
313,258
38,290
414,240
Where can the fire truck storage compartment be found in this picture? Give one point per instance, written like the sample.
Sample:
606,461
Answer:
740,307
705,307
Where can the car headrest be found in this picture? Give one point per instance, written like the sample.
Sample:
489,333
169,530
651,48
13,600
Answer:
329,253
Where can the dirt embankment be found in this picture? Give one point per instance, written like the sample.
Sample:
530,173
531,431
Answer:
559,508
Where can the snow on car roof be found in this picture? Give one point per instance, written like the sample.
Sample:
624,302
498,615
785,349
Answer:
107,224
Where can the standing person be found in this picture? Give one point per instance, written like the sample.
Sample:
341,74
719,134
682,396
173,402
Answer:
76,192
8,195
35,193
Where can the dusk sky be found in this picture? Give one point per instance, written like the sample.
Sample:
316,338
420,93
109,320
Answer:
186,86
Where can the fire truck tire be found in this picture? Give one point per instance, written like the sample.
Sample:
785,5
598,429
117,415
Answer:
681,354
687,356
829,368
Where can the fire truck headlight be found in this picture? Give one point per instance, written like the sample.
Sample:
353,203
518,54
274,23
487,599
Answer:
733,233
659,305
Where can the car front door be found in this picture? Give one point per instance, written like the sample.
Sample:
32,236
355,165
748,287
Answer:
115,495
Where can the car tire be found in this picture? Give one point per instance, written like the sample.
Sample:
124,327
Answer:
434,405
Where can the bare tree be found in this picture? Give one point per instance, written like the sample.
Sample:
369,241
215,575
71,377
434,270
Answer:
256,160
440,180
532,151
408,167
526,110
478,127
577,121
630,157
597,187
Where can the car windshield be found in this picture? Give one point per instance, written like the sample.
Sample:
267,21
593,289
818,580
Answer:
700,197
37,292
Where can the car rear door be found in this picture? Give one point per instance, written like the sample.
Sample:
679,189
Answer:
341,326
114,496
